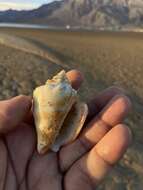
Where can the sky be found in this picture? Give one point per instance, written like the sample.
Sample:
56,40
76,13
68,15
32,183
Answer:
22,4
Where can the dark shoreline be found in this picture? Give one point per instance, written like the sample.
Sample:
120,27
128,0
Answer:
18,26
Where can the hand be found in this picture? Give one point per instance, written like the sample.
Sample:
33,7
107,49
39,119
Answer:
79,165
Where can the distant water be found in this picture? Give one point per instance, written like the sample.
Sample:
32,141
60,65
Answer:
15,25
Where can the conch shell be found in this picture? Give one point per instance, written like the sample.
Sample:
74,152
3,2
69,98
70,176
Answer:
58,113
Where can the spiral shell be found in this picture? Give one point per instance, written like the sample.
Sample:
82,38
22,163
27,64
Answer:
58,114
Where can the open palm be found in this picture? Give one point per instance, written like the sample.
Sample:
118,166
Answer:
79,165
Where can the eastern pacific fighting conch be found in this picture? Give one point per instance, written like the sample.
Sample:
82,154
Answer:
58,113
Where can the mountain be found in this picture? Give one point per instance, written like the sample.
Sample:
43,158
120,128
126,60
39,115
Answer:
82,13
29,16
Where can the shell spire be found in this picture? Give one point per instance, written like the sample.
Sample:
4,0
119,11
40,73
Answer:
60,77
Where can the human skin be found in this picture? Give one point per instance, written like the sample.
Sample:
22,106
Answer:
80,165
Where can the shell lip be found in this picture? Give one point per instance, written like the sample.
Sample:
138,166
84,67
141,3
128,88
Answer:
72,126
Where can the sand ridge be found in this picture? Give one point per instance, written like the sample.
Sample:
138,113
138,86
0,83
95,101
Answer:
28,46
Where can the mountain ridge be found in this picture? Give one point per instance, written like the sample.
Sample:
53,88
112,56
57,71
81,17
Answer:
82,13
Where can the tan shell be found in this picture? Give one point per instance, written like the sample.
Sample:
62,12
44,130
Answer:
71,126
51,104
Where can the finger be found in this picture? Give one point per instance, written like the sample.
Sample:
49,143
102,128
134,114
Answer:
90,170
76,79
96,104
13,111
113,113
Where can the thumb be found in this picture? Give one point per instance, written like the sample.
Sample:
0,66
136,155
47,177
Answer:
13,111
